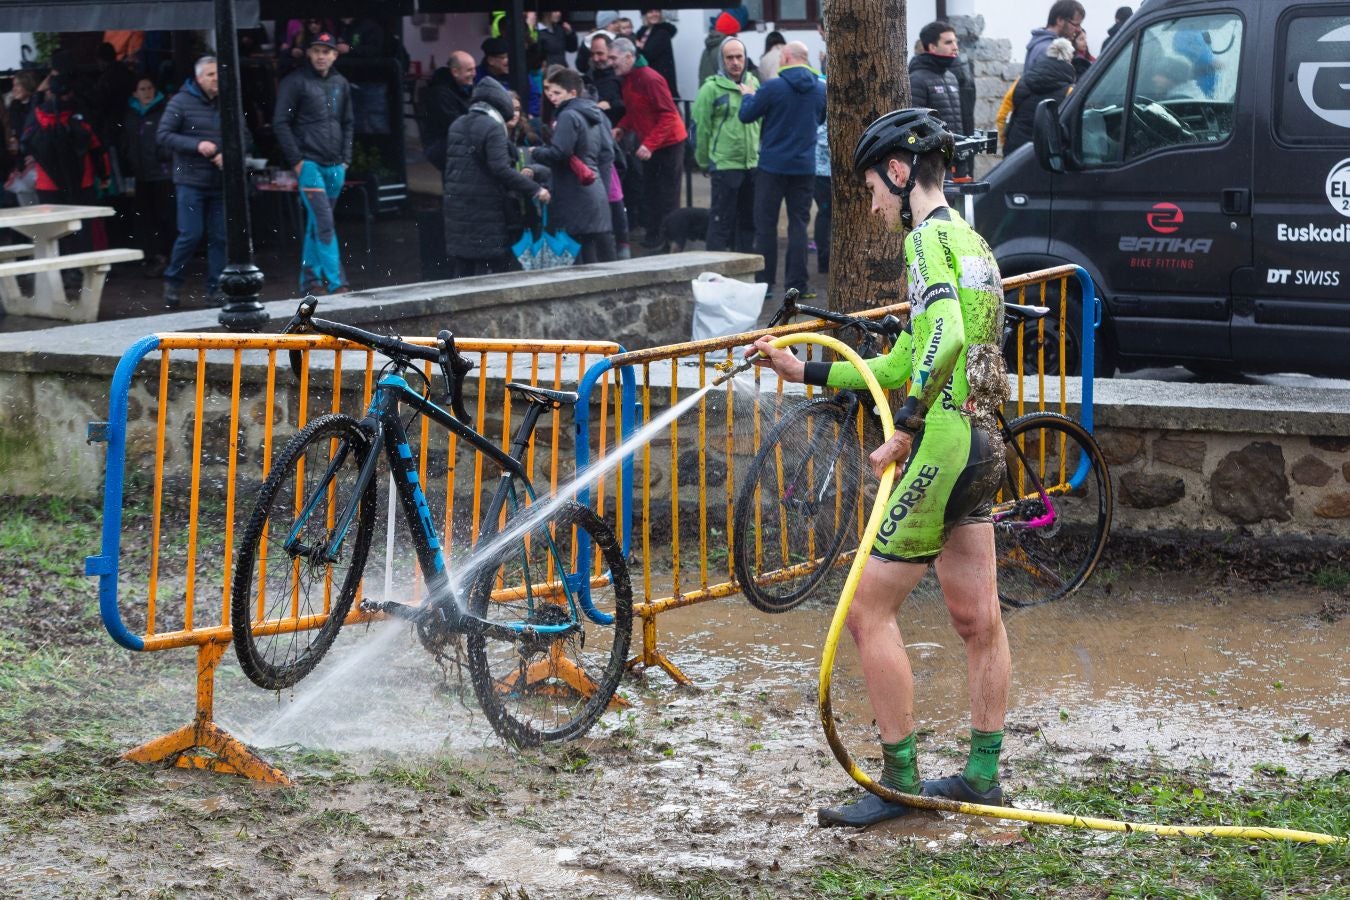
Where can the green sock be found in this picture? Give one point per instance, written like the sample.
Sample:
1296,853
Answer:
982,766
900,765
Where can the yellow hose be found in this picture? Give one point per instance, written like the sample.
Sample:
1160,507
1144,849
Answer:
942,803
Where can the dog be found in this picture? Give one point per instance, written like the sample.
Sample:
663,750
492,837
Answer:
683,226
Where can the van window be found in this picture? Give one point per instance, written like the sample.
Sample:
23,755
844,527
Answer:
1185,76
1315,101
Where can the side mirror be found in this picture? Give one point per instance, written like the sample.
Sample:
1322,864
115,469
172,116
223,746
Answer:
1047,137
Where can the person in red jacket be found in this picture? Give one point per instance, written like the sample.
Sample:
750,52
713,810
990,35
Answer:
651,115
71,162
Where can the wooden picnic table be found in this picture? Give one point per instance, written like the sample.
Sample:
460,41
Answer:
44,225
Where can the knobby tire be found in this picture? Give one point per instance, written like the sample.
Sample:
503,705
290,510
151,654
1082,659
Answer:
523,685
295,588
824,419
1040,564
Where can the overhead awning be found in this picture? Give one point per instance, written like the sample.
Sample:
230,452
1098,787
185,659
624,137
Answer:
330,9
87,15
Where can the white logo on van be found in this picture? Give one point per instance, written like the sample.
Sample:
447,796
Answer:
1338,187
1307,78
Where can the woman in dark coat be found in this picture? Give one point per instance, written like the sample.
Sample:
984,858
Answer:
580,130
1050,78
153,170
480,174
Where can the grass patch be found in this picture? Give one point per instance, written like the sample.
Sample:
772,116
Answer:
445,777
1052,861
76,778
1333,578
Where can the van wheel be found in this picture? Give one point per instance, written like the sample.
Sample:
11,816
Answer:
1032,342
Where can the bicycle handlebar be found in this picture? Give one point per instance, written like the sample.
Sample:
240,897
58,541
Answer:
887,326
453,366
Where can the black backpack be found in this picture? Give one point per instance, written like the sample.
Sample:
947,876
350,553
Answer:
60,147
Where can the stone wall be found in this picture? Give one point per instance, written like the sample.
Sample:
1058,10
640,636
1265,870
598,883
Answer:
1214,459
1252,459
995,68
1199,480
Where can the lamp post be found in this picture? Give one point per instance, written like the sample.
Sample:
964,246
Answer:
241,281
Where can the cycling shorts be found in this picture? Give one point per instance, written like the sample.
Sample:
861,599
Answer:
950,480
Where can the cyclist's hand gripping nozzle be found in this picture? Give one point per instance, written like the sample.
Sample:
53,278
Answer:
730,369
454,367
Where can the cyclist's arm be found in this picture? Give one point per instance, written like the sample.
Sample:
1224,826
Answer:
939,333
891,370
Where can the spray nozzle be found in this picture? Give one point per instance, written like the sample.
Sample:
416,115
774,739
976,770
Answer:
730,368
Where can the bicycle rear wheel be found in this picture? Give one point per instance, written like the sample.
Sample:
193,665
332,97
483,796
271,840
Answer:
543,687
797,504
292,587
1053,512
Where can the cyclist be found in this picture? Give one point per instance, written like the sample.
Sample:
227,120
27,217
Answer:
940,509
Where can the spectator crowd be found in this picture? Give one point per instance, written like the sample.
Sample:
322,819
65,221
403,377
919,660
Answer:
600,146
597,147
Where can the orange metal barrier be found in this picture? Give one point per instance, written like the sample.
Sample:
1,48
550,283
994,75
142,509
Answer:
209,411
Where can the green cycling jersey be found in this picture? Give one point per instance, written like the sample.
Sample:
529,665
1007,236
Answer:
950,356
956,305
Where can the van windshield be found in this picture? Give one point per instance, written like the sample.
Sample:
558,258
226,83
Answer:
1174,85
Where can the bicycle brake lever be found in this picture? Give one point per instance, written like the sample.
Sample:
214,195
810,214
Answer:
453,367
299,324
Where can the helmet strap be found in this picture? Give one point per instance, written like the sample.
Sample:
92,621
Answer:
906,214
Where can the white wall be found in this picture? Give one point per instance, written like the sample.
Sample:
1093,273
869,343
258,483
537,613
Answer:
11,52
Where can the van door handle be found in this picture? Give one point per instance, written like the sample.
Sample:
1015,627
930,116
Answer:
1235,201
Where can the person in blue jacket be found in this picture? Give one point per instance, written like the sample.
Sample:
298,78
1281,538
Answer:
791,106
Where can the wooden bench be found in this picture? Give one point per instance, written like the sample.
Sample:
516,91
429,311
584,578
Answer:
16,251
94,265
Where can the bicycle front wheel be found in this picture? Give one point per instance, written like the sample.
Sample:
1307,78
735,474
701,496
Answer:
797,505
1053,511
559,674
300,561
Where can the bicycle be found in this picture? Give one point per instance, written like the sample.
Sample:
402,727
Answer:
1051,515
807,540
545,648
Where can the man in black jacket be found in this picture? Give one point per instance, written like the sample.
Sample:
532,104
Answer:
935,79
932,83
190,128
444,100
313,125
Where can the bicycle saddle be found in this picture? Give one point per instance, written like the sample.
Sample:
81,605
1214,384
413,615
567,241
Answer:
543,396
1019,312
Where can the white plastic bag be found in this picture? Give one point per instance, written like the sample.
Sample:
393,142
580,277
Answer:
725,306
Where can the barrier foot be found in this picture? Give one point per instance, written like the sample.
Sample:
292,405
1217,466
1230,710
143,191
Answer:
223,752
650,656
558,675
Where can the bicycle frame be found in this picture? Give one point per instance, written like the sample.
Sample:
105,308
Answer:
385,426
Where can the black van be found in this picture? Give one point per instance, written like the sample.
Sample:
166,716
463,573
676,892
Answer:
1200,172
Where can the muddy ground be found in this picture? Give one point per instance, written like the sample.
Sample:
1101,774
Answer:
402,790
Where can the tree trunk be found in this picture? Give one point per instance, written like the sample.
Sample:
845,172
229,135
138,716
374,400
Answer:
867,76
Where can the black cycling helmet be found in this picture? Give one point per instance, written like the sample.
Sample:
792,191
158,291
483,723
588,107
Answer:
916,131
